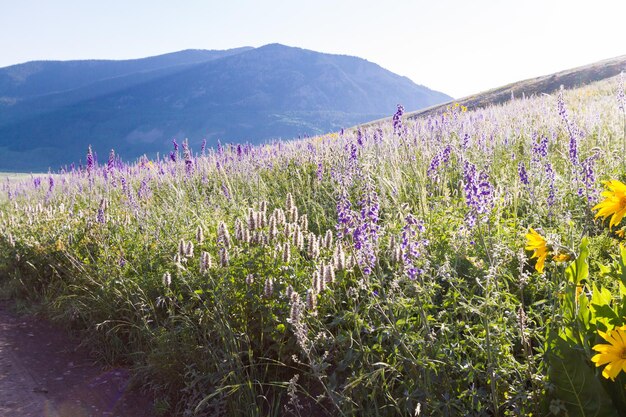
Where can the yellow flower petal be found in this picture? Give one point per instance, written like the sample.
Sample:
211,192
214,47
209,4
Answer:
613,355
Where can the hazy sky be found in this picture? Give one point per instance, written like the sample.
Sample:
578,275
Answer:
458,47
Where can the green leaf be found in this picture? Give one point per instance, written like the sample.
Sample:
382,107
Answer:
579,269
622,264
601,299
576,384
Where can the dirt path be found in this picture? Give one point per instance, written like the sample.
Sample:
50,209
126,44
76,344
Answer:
43,374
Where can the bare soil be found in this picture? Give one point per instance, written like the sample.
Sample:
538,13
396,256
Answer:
44,373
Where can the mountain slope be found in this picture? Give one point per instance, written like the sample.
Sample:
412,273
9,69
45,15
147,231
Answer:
37,78
252,95
546,84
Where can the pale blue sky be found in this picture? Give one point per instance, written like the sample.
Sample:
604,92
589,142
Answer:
458,47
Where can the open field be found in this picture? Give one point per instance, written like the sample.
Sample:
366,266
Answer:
13,176
376,272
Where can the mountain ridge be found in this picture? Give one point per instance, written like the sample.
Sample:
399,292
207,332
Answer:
248,94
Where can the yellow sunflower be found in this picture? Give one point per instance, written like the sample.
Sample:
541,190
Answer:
614,203
538,244
613,354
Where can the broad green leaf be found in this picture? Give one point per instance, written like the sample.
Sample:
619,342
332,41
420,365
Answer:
579,269
576,384
602,311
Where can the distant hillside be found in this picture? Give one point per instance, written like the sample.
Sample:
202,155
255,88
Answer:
546,84
51,111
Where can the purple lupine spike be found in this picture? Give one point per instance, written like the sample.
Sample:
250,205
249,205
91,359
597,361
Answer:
571,129
465,142
540,149
50,183
203,147
226,192
359,137
523,175
37,182
434,166
188,158
445,155
174,153
111,161
345,216
478,192
397,120
412,248
144,189
90,160
588,177
320,171
100,217
366,233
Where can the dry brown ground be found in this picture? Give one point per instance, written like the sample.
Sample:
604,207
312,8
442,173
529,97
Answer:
44,373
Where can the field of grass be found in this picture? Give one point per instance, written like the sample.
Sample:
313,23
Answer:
378,272
13,176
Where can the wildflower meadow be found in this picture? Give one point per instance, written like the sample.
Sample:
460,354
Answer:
467,263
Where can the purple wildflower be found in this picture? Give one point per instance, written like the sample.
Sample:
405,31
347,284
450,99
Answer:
366,233
203,147
465,142
523,175
174,153
478,192
188,158
100,217
397,120
353,152
144,189
226,192
345,216
111,161
320,171
588,176
411,247
90,160
359,137
434,166
445,154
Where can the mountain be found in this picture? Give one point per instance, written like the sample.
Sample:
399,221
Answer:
546,84
51,111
